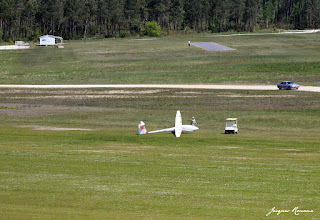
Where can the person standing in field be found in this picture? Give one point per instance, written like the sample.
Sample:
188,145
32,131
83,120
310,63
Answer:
193,121
189,43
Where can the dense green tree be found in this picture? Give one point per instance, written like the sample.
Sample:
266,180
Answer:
72,19
152,29
252,14
192,14
1,34
176,14
268,13
236,15
7,18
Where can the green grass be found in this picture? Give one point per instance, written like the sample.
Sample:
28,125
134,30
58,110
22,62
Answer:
111,172
257,59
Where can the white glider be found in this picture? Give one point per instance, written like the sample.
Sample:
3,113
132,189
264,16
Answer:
176,130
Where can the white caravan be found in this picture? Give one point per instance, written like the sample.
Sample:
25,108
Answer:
176,130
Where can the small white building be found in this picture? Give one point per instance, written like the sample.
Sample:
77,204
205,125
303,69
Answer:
50,40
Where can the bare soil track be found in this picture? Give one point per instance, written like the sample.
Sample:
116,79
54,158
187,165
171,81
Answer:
158,86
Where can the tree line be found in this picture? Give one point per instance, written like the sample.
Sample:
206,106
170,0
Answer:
74,19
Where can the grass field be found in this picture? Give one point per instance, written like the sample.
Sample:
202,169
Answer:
104,170
110,171
257,59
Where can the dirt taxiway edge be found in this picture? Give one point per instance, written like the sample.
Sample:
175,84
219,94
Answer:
159,86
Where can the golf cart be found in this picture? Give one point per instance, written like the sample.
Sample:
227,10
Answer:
231,126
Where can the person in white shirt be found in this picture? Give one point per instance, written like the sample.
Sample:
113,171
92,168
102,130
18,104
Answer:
193,121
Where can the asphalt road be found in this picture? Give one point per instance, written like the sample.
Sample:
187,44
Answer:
209,46
158,86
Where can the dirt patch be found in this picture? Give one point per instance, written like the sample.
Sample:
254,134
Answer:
290,149
49,128
305,154
78,97
224,147
160,86
117,149
30,108
256,96
35,109
145,39
14,47
103,151
196,93
29,94
82,91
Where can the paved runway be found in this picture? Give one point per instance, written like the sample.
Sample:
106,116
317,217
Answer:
209,46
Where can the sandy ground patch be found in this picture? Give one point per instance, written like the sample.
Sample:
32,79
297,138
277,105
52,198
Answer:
225,147
49,128
40,109
78,97
14,47
160,86
83,91
82,94
145,39
103,151
196,93
117,149
257,96
85,97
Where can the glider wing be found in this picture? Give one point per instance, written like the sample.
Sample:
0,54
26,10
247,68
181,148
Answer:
178,125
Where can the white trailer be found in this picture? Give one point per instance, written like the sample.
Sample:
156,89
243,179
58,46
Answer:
231,126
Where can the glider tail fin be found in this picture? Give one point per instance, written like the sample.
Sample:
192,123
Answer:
142,128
